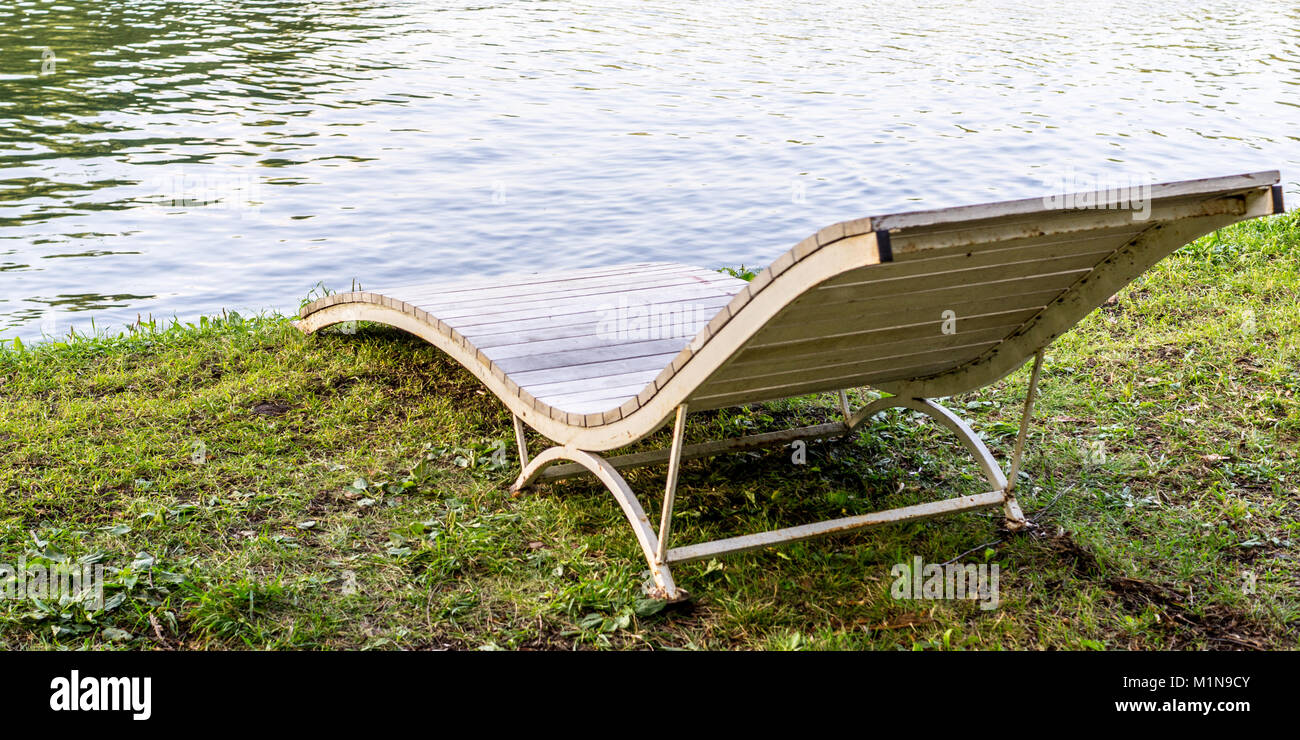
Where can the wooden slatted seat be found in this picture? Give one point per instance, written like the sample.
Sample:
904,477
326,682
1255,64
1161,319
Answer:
583,341
918,305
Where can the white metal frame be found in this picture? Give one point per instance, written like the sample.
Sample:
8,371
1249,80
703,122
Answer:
754,349
654,544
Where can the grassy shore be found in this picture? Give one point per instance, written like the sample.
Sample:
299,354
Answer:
247,486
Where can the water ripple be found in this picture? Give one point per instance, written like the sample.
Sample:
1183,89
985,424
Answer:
176,158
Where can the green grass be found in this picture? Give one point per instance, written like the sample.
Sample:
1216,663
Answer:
348,494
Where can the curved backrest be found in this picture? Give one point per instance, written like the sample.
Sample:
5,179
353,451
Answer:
950,300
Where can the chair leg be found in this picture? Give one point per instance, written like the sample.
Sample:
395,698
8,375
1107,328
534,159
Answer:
664,587
1015,517
845,410
988,464
670,488
521,442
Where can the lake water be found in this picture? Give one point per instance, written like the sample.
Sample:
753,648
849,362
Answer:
178,158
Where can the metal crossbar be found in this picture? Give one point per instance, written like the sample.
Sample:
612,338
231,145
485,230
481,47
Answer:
654,543
832,526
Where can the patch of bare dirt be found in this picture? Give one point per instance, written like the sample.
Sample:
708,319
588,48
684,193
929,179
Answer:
271,408
1222,626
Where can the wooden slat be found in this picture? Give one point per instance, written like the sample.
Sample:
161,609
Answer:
551,338
891,316
810,307
828,359
521,329
971,278
703,399
832,372
617,284
543,306
1034,208
526,356
523,280
531,378
560,327
920,252
945,260
832,339
596,385
577,393
596,407
589,355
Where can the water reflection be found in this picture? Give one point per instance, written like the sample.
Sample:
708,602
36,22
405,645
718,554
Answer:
181,157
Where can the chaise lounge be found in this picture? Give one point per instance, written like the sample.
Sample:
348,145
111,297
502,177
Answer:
917,305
